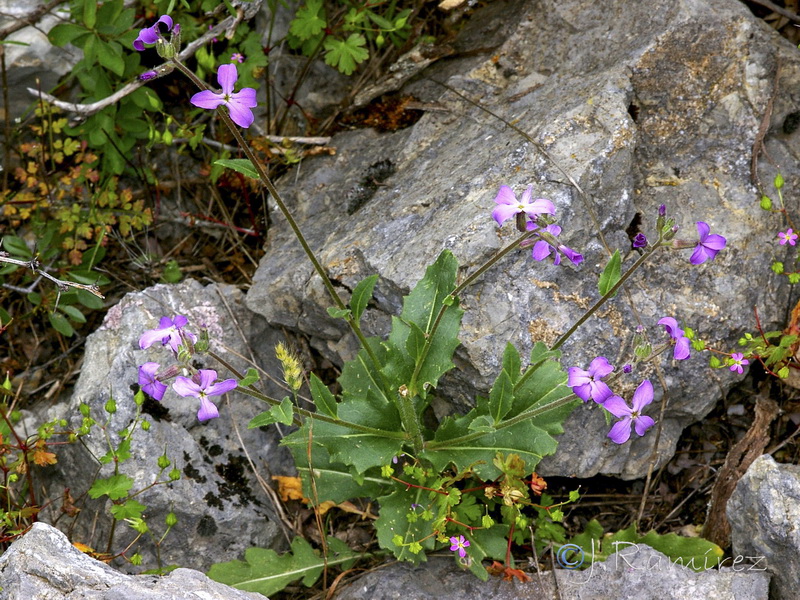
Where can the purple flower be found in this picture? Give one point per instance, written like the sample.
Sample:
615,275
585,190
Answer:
708,246
237,57
588,384
148,380
169,331
148,75
639,241
458,544
789,237
739,361
627,368
151,35
662,210
508,205
621,431
239,103
542,248
682,343
202,386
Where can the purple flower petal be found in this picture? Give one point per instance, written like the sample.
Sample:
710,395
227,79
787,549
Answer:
207,99
184,386
617,407
149,383
642,396
671,326
207,377
240,114
152,336
227,76
207,410
682,347
708,246
223,387
541,250
620,432
642,424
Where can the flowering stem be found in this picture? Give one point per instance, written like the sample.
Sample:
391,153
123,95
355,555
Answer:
273,191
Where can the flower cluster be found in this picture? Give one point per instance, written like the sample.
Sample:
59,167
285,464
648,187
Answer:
527,211
239,104
588,384
203,382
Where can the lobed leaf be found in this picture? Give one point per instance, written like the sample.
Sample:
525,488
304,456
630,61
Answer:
266,572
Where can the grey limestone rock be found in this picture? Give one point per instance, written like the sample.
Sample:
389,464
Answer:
220,506
764,513
43,565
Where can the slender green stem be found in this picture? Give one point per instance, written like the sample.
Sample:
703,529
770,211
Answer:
267,182
488,264
608,295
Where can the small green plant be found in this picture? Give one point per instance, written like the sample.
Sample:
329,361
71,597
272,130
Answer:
118,487
468,482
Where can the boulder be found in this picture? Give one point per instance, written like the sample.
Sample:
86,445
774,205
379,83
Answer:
43,565
641,104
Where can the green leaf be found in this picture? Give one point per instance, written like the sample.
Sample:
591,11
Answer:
501,397
380,21
359,449
611,274
16,247
266,572
363,402
115,487
63,33
531,439
146,98
73,313
344,55
421,309
131,509
89,13
90,49
262,419
511,362
362,294
240,165
250,378
393,521
284,412
694,552
280,413
60,324
338,313
308,22
110,57
172,272
323,399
